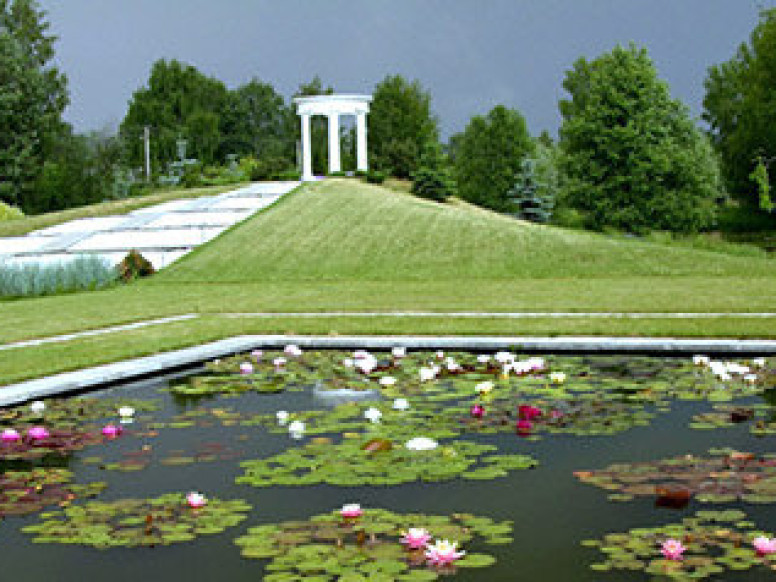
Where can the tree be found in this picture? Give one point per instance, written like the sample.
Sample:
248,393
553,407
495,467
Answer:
33,95
740,107
433,179
400,123
488,157
179,103
257,122
530,195
632,156
319,128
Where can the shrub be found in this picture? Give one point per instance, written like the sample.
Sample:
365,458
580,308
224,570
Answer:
35,279
375,177
8,212
433,180
133,266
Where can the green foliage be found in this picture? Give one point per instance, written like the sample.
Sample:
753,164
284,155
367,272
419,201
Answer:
33,94
760,177
531,196
134,266
375,177
256,122
400,124
179,102
488,157
8,212
33,279
739,107
434,180
633,157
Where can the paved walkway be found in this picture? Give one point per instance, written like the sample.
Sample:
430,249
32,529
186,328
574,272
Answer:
399,314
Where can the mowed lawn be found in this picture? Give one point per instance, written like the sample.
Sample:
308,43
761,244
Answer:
340,245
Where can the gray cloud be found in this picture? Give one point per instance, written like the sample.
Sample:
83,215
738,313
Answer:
471,54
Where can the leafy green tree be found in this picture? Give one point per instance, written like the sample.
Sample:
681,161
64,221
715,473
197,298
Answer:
488,157
434,179
740,107
400,124
319,128
633,158
33,95
178,103
256,122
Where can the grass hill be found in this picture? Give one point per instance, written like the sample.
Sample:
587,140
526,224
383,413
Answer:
345,230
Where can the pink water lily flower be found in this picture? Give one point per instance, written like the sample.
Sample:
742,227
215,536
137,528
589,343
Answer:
415,538
38,433
246,368
351,511
528,412
672,549
111,431
196,500
764,546
443,553
524,427
477,411
10,435
257,355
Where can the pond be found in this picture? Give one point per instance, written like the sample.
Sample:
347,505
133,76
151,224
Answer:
359,466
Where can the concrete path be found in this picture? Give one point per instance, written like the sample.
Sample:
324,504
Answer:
160,363
507,315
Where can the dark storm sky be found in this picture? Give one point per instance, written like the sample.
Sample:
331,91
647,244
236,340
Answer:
470,54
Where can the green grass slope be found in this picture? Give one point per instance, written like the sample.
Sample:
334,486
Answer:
345,230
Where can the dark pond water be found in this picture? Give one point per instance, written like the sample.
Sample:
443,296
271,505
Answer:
552,511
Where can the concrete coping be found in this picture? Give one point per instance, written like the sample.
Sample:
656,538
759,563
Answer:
139,368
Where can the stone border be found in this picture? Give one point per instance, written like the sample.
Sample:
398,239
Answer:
139,368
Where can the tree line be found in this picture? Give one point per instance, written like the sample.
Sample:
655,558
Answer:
628,154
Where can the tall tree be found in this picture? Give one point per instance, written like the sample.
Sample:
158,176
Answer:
319,128
740,107
633,157
178,103
257,122
399,125
489,156
33,95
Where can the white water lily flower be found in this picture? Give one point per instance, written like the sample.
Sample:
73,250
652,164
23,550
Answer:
296,428
126,412
361,354
421,444
700,360
38,407
401,404
366,365
504,357
282,417
735,368
557,377
484,387
387,381
758,362
348,362
440,354
399,352
751,378
373,414
535,364
293,350
427,374
483,358
279,362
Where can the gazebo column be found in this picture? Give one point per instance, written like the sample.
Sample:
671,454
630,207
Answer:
361,163
307,161
334,144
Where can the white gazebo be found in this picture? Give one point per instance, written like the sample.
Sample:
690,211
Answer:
332,106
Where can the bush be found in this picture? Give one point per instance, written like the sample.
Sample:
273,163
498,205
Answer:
8,212
133,266
35,279
375,177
